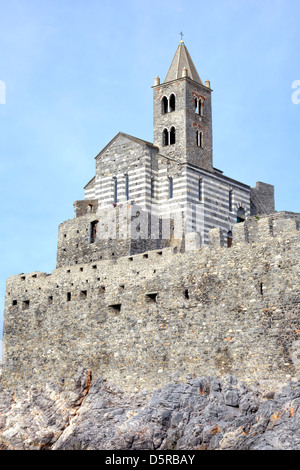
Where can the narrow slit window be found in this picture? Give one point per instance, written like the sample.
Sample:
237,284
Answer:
115,190
152,187
200,189
69,296
186,294
230,200
170,188
199,139
127,187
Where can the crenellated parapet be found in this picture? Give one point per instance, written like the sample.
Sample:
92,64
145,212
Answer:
141,318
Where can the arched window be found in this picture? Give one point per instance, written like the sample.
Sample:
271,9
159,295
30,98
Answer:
164,105
196,106
199,138
172,136
172,103
165,138
93,231
240,215
170,187
200,107
229,239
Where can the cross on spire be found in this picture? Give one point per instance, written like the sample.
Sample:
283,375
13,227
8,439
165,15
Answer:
181,34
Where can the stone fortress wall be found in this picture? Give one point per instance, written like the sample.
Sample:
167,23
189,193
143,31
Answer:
141,320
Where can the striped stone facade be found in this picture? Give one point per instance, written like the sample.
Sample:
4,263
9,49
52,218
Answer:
171,183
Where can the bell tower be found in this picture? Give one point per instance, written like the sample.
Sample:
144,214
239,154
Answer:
182,117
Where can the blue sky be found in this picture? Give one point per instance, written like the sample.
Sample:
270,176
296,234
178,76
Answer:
77,72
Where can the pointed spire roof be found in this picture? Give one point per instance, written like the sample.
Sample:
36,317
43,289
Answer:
182,59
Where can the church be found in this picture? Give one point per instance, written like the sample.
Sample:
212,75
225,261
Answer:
147,196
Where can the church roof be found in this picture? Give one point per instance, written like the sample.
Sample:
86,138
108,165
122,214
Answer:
182,59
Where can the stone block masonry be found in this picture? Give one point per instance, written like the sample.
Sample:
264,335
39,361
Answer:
138,320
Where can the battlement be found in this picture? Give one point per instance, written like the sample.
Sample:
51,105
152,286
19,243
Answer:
214,309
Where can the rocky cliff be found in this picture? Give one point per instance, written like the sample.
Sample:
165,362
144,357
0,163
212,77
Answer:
201,413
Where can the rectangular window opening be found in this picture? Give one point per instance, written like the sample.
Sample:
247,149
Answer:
69,296
186,294
83,294
14,302
115,307
50,299
25,304
152,296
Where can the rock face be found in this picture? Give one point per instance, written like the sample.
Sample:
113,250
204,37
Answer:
201,414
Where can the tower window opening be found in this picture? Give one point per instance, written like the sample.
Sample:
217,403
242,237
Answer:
199,139
172,103
170,188
164,105
172,136
69,296
198,106
165,137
